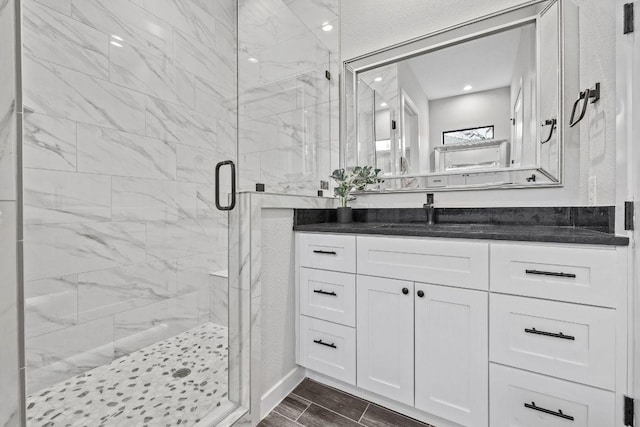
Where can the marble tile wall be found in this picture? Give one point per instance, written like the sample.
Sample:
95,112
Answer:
371,93
131,104
288,109
10,363
250,258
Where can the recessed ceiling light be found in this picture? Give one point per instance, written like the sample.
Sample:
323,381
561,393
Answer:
377,79
327,27
384,104
253,60
116,37
116,44
468,87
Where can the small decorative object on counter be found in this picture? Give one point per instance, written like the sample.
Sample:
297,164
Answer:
349,180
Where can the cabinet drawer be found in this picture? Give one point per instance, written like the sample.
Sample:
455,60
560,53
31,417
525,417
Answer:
328,295
434,261
437,181
583,275
328,252
520,399
569,341
328,348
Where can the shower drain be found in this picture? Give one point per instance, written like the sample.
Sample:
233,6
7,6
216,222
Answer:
181,373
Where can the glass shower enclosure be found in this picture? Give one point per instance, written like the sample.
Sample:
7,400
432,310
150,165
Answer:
130,236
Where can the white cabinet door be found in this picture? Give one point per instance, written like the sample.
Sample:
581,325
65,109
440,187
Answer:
385,337
451,358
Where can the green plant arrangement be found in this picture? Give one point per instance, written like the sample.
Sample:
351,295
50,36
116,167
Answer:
355,179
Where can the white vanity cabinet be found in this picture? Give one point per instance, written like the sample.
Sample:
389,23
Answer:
424,345
469,333
326,303
558,335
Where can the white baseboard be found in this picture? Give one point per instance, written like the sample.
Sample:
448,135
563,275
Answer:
275,394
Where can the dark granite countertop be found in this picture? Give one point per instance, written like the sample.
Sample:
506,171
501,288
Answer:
569,224
527,233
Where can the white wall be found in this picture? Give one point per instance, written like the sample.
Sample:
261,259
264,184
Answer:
367,25
485,108
366,124
408,82
524,72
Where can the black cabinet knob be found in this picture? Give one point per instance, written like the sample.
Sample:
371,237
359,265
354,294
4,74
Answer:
405,291
421,294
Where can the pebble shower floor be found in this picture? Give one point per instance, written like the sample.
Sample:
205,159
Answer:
140,389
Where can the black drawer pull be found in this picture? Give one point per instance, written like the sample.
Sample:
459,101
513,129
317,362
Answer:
317,251
550,334
324,343
559,414
550,273
320,291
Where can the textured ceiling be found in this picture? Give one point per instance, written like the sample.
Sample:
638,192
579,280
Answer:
485,63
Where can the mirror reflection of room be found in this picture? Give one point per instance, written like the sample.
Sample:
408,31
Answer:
468,106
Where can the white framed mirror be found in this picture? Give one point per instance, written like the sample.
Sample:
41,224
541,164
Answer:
478,105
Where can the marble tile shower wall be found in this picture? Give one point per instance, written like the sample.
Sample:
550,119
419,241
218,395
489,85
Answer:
288,107
9,347
131,103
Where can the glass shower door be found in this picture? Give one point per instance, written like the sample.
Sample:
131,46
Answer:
129,107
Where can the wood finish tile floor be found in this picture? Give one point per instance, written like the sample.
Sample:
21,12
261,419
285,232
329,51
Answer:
313,404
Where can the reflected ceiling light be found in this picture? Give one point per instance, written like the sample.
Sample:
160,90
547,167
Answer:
384,104
116,44
467,87
253,60
377,79
113,36
327,27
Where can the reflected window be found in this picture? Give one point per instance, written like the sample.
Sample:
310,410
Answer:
462,136
384,145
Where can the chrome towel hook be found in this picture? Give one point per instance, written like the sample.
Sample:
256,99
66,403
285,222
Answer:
585,96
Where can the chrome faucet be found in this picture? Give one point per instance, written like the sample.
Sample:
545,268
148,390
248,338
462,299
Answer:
430,209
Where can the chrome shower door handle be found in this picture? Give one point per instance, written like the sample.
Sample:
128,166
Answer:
232,204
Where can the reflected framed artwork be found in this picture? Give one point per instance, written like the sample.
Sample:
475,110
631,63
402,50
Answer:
462,136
